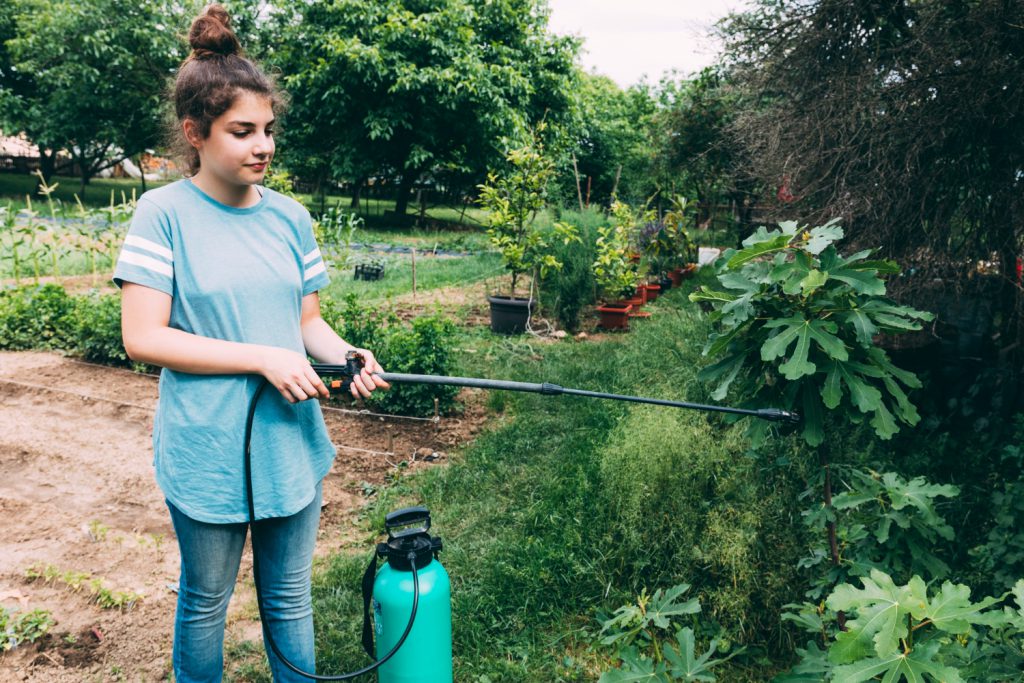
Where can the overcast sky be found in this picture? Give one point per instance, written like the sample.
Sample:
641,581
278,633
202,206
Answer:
626,39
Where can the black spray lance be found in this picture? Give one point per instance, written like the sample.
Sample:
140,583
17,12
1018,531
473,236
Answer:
354,364
410,596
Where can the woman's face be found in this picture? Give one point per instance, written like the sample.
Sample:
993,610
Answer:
240,145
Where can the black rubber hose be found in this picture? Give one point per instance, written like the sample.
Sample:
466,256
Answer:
256,567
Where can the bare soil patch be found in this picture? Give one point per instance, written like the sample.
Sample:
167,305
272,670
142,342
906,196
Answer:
77,494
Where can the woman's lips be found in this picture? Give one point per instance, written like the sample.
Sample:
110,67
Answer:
257,167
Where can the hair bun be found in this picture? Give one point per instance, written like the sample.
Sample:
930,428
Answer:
211,34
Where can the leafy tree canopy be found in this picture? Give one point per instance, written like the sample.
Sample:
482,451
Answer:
87,76
405,86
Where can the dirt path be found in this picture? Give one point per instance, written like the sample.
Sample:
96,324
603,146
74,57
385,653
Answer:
77,498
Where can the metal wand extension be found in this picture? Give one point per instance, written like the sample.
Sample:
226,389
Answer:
354,366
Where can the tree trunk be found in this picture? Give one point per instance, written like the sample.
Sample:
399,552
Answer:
47,163
357,191
142,175
404,192
830,526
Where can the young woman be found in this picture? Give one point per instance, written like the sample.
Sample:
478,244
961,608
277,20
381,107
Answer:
219,281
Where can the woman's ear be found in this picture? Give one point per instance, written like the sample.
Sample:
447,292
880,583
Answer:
192,134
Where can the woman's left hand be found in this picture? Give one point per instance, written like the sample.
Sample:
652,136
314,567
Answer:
367,381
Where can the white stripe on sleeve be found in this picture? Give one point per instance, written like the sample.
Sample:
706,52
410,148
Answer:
311,256
314,271
147,262
150,246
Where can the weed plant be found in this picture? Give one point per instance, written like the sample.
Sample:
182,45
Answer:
566,292
23,627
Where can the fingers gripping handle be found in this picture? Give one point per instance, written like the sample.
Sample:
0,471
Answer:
345,372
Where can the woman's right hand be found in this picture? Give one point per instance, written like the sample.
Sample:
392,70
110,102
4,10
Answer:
291,374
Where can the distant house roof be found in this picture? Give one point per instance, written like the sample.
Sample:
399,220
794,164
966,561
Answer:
17,146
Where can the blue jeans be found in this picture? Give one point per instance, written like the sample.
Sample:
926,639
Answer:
210,555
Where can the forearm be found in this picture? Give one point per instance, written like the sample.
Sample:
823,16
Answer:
322,342
178,350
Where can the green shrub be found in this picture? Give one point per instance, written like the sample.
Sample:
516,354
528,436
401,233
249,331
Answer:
912,632
567,290
36,317
422,347
643,632
97,330
1001,557
19,627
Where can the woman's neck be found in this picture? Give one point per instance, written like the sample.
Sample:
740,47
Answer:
238,196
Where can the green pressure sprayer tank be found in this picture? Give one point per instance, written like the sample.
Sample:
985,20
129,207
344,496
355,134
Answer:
426,654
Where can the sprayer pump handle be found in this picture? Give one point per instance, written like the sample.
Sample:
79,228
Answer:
408,518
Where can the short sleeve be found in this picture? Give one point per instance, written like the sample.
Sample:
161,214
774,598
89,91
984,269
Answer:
147,256
314,276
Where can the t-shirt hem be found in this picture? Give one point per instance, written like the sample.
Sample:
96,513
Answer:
207,518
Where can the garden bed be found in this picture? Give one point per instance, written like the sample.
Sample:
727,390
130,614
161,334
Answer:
79,497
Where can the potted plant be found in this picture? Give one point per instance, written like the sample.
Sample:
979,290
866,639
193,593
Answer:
682,261
615,273
657,246
513,199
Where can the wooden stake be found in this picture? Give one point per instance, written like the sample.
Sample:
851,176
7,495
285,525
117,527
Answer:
414,273
576,172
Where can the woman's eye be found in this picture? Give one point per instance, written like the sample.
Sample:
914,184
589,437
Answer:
270,132
240,133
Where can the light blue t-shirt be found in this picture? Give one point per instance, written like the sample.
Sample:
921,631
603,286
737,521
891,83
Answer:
237,274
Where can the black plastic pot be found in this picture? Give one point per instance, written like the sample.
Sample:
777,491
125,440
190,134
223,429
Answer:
509,315
666,283
369,271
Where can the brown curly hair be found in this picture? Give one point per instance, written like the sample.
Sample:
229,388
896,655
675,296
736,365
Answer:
209,81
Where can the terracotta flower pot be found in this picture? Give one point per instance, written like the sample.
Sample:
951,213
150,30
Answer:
614,315
653,291
636,301
676,276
